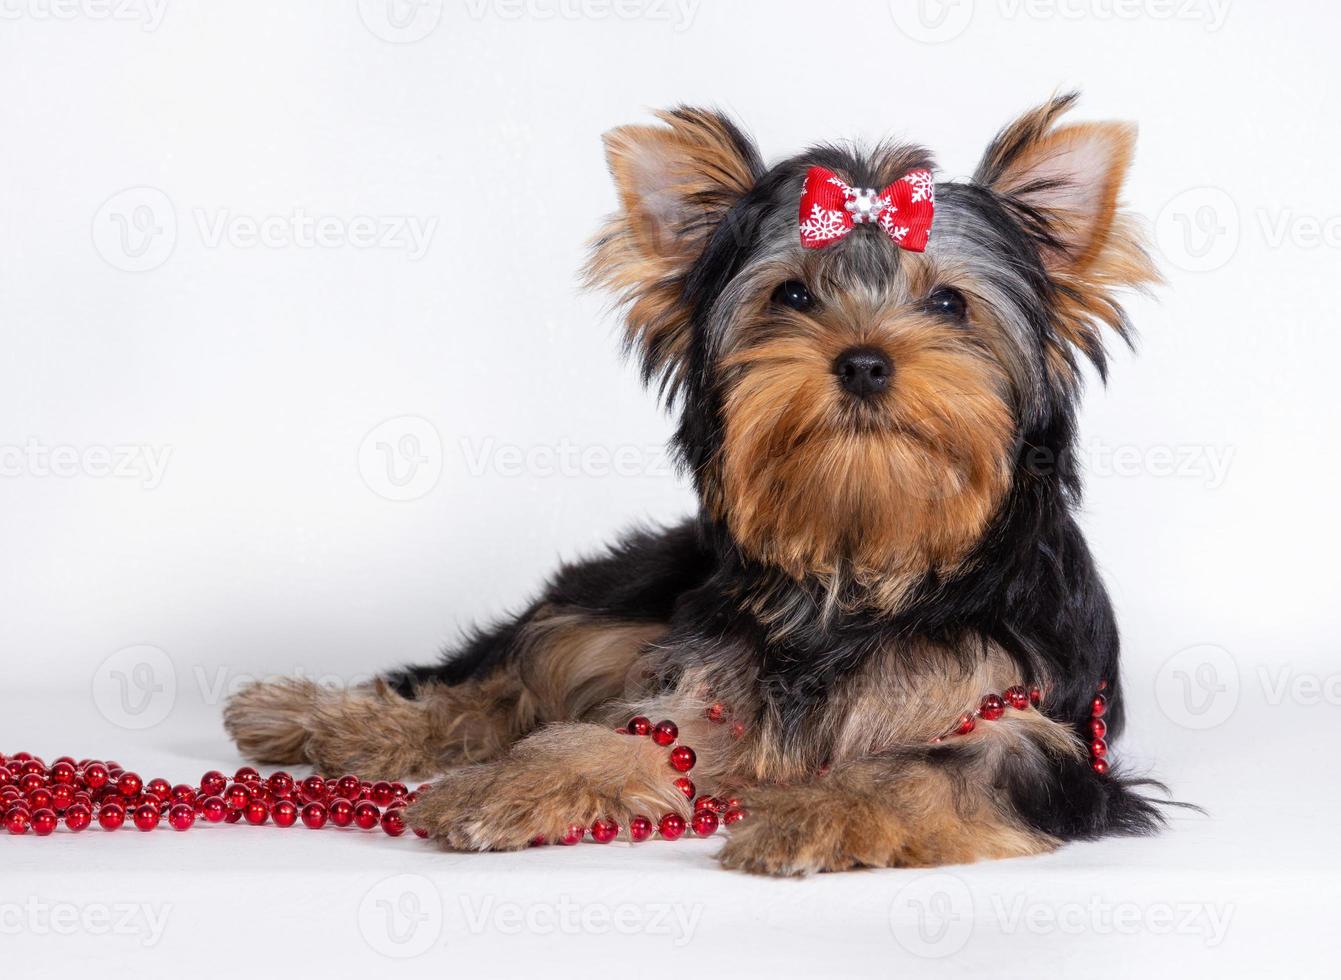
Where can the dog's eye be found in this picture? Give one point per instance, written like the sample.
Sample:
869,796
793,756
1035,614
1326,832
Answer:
794,293
948,302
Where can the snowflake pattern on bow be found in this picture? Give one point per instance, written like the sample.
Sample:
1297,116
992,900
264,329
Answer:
824,225
896,232
924,188
831,208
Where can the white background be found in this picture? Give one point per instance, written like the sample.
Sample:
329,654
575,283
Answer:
251,385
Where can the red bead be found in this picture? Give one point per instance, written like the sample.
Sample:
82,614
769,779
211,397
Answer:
1017,697
341,812
639,726
280,783
1098,727
159,789
705,822
213,783
1035,696
640,828
381,793
181,793
737,729
30,781
671,826
604,831
966,725
709,803
734,814
213,808
78,817
349,787
17,821
256,812
237,796
665,732
715,712
44,821
393,821
313,789
181,816
1100,766
129,784
146,816
1103,684
315,816
1099,749
366,815
1098,706
40,798
686,786
111,816
992,707
247,775
573,834
284,813
682,758
62,773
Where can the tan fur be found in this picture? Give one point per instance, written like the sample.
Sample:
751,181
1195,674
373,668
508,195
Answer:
674,182
563,774
572,664
875,814
815,484
1074,174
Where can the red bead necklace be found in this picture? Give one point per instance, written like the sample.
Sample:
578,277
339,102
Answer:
993,706
37,797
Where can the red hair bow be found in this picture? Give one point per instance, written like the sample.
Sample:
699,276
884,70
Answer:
903,210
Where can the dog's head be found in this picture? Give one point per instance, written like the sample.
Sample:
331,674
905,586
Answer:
853,405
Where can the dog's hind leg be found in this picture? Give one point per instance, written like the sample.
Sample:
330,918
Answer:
565,665
371,730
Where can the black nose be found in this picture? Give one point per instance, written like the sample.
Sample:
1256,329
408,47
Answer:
864,371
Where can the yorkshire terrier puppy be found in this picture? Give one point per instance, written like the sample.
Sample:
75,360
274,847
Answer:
883,630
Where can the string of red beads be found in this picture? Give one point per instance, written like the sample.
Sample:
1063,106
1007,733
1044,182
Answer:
708,812
993,707
38,797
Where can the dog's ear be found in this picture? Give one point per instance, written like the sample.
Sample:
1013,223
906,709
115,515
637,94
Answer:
675,182
1063,183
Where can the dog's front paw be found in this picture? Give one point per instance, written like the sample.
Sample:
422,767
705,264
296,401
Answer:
482,808
794,831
